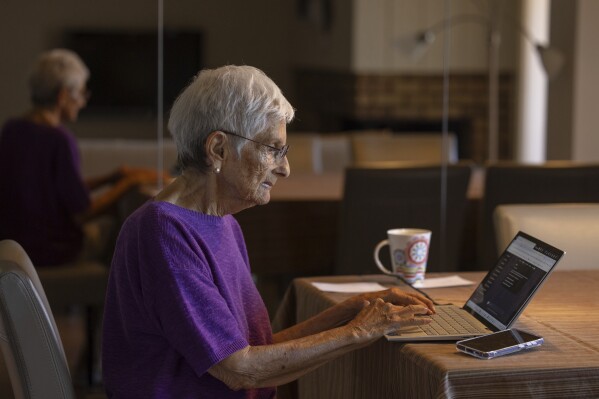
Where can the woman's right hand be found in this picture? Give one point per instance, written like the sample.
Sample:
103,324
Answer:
378,318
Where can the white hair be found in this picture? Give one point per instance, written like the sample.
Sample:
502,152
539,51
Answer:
54,70
236,99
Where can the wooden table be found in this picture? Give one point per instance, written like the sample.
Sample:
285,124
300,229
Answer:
309,187
329,186
564,312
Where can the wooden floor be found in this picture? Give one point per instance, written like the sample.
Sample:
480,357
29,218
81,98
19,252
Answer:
71,327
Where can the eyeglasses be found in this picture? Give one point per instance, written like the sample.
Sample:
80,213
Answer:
83,94
280,153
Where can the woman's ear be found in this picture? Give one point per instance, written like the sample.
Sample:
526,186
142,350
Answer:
216,148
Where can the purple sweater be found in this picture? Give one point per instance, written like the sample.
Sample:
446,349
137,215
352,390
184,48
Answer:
41,189
180,299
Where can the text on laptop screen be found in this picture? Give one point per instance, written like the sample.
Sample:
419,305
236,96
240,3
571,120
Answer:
508,287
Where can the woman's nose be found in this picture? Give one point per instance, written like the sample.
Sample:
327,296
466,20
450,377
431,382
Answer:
283,169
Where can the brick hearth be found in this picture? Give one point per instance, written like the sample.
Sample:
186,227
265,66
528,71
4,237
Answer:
334,101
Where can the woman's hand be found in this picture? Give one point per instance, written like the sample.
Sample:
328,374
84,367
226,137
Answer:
399,297
393,295
378,318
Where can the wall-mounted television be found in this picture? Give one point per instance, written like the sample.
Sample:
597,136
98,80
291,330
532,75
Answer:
124,67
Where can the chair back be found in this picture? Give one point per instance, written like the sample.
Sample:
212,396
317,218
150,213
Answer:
378,199
304,152
29,338
387,146
573,228
510,183
336,152
100,157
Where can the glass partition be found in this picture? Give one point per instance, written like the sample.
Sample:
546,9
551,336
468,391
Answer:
439,73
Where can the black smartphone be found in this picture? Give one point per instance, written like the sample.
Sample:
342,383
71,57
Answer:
499,343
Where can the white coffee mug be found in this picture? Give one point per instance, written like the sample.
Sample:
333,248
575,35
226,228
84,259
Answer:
409,253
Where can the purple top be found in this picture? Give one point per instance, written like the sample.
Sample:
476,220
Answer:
180,299
41,189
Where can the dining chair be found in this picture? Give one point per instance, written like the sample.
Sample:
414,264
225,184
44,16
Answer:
304,156
81,283
515,183
100,157
389,147
29,338
573,228
417,196
335,152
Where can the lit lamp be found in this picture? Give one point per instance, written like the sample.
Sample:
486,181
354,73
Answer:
552,60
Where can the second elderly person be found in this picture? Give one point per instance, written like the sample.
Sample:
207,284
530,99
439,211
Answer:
45,204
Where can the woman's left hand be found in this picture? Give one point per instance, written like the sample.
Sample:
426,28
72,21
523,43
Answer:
395,296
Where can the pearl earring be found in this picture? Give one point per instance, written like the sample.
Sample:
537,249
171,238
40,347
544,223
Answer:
217,170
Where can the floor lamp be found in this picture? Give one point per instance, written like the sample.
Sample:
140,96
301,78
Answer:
551,59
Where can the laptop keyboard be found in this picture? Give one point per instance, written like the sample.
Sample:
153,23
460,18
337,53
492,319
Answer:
451,320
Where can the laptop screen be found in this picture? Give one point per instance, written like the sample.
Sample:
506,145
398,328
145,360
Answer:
510,285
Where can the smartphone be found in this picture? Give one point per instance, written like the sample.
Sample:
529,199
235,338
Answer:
499,343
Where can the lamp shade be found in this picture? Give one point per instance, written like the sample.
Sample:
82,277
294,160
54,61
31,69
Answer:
414,46
551,58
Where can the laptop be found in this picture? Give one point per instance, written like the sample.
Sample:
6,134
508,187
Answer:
498,300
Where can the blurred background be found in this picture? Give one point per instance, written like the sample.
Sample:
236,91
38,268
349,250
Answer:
344,65
459,81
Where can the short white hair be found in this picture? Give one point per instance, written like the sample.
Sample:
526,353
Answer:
236,99
54,70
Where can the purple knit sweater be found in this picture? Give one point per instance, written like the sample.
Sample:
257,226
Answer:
180,299
41,190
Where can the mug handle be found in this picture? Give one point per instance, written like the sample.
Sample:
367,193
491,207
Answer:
376,257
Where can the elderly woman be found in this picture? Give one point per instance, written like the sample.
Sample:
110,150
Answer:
183,318
44,201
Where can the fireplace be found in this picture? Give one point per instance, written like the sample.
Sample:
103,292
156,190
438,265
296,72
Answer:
330,101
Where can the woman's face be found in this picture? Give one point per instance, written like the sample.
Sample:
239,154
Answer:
251,176
72,102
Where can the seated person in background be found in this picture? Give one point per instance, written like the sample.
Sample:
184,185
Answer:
183,318
44,203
